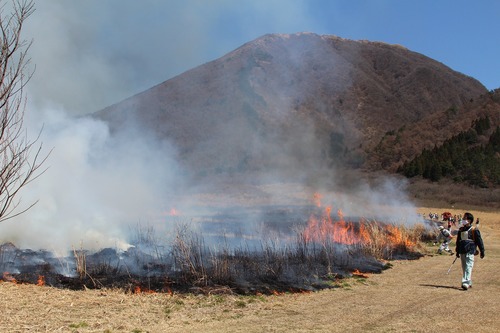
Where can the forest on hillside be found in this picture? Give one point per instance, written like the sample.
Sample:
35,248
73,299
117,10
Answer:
471,157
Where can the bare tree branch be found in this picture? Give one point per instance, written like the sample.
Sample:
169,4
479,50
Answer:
19,165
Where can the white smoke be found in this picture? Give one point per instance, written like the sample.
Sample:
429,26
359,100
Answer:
91,54
95,188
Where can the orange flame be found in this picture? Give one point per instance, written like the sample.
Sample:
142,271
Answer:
41,281
359,274
335,231
323,229
139,290
396,236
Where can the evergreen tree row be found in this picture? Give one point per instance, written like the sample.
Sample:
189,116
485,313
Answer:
462,158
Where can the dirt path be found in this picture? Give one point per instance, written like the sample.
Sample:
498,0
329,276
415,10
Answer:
413,296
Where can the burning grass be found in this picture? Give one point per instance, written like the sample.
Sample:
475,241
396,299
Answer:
314,256
396,291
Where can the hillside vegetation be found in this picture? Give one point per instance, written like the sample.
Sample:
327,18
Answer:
472,157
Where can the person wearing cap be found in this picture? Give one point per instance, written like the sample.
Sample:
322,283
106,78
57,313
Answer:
444,236
468,240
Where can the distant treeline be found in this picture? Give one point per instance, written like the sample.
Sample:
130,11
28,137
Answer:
472,157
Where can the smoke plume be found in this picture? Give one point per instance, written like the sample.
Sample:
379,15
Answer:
95,187
98,186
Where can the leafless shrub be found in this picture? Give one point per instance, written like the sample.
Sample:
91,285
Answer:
188,254
221,269
148,240
149,250
274,259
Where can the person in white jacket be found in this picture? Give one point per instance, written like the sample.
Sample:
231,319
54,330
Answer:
444,237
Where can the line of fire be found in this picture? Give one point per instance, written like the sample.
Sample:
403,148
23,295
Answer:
292,249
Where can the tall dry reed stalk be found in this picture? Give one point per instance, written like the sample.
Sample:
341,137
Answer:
80,261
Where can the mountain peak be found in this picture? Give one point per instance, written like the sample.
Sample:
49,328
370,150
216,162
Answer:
298,101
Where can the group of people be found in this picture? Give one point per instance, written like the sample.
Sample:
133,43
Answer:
433,216
468,244
446,216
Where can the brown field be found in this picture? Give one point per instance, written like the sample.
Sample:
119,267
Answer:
412,296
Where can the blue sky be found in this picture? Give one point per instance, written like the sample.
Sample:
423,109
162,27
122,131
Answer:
94,53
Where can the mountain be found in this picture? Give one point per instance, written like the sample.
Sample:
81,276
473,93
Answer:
303,103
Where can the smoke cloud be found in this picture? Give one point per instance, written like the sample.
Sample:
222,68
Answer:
95,187
91,54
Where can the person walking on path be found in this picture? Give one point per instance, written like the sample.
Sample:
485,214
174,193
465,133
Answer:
468,240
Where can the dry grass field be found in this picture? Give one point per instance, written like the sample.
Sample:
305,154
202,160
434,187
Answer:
412,296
